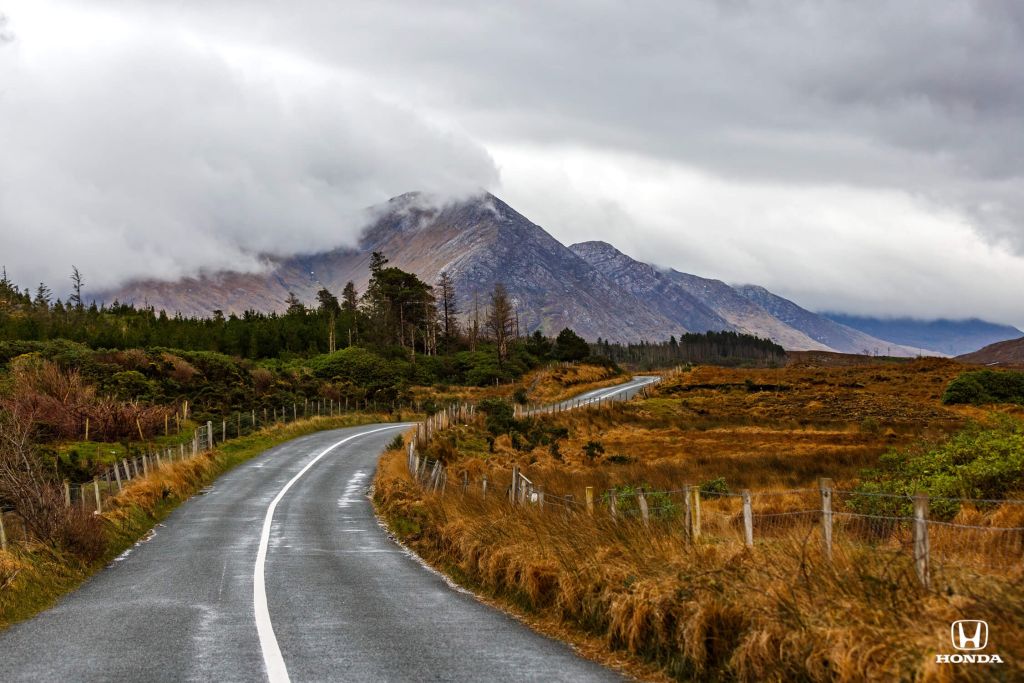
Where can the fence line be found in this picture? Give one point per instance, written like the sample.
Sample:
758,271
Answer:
90,496
841,518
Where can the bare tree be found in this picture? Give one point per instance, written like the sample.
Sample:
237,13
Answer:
501,320
36,497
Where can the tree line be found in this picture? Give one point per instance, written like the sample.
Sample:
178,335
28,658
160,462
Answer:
715,348
398,311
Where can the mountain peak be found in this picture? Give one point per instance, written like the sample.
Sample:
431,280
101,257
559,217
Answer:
479,240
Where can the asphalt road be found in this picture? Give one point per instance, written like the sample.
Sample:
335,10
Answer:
281,571
619,392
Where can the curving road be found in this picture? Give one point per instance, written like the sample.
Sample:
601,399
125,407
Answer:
619,392
280,571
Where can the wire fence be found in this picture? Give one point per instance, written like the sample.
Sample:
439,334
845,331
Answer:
90,496
937,533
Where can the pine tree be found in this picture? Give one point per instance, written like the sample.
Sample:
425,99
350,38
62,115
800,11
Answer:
77,283
449,309
330,309
295,306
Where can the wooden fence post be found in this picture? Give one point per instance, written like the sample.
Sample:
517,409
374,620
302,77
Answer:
3,533
465,481
483,487
921,539
96,490
67,493
209,435
590,500
693,507
223,430
687,512
514,491
748,519
117,475
540,497
145,466
642,500
612,504
825,487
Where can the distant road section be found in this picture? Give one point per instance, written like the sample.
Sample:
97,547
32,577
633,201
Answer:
340,600
619,392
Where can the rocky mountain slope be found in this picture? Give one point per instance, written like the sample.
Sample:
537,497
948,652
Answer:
693,303
1009,352
822,329
590,287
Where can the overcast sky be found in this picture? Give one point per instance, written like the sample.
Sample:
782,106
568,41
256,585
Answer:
865,157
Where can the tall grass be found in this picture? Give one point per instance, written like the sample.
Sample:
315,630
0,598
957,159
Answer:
710,610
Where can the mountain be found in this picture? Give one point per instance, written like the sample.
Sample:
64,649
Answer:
821,329
953,337
1010,352
590,287
479,242
692,303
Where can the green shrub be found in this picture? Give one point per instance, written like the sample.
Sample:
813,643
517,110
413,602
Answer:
977,462
979,387
592,449
714,486
500,416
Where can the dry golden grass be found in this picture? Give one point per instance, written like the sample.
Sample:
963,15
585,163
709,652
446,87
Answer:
711,610
760,428
559,382
716,610
543,385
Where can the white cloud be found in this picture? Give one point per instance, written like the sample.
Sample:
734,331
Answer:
827,247
856,157
151,152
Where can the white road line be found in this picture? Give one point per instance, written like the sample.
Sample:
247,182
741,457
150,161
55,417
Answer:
277,672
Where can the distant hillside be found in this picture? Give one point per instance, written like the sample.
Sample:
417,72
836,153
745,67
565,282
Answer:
1009,352
821,329
951,337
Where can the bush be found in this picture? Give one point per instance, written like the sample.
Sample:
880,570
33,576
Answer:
974,463
500,416
592,449
979,387
357,365
714,486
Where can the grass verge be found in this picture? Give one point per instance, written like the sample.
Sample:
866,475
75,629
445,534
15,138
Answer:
34,577
707,611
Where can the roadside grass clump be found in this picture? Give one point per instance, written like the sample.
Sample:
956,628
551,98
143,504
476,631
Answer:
713,610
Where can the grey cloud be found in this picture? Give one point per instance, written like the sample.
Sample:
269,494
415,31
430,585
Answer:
160,159
921,96
915,97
